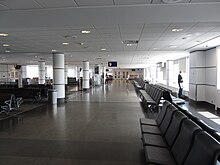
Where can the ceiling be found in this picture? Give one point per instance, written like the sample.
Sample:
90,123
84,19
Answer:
164,31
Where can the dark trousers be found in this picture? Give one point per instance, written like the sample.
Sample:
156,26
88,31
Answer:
180,91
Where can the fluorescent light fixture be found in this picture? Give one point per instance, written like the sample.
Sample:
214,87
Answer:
103,49
172,46
65,43
6,45
3,34
85,31
129,44
7,51
177,30
53,50
155,48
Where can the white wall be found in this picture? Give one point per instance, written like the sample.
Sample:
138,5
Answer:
197,76
203,77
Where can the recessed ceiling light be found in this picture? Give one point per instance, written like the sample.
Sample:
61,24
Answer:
53,50
205,46
172,46
177,30
6,45
65,43
3,34
155,48
7,51
85,31
103,49
198,41
70,36
171,1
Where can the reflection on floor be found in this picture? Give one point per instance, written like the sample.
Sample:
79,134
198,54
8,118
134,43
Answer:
96,127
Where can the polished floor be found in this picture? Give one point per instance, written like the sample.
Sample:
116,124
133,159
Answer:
97,127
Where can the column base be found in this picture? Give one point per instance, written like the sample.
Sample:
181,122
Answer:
60,100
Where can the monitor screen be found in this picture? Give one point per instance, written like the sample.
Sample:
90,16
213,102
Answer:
112,64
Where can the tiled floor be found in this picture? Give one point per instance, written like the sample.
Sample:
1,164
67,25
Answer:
97,127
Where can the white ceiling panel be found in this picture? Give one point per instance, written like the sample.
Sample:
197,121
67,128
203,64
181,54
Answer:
160,1
150,35
2,7
94,2
20,4
207,1
131,2
56,3
130,36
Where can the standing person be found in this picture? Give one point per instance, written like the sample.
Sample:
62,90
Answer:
180,81
106,78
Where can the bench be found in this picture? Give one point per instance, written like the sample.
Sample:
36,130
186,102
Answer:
168,96
9,102
173,138
34,94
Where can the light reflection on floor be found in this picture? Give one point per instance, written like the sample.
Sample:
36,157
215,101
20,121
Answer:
211,116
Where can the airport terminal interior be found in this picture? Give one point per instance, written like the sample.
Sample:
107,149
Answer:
103,82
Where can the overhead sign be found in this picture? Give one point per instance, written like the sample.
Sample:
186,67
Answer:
112,64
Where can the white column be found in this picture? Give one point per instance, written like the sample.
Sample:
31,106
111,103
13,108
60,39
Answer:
78,70
24,71
103,74
169,73
85,75
58,76
66,73
75,72
197,76
41,68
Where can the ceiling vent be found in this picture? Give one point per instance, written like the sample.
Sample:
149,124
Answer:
171,1
130,42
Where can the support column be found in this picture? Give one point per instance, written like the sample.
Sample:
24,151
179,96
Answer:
58,76
24,71
85,75
78,70
103,74
41,67
66,73
169,73
197,76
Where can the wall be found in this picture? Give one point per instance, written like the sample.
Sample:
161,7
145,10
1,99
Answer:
203,76
124,73
7,73
197,76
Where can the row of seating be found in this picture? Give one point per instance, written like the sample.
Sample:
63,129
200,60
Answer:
170,95
175,139
25,93
9,102
154,94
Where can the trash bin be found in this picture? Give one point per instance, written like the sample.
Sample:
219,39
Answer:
52,96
